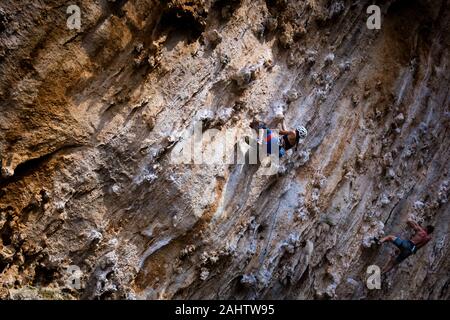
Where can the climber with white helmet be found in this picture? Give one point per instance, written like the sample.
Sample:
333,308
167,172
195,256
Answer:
287,139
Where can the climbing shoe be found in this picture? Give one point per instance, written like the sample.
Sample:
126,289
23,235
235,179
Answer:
376,241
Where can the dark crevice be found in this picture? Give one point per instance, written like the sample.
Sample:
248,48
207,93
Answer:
116,7
239,287
276,7
71,39
28,167
182,23
443,294
3,20
44,276
6,232
303,277
6,235
3,265
401,202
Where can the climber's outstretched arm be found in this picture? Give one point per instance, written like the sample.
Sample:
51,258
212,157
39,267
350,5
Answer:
283,130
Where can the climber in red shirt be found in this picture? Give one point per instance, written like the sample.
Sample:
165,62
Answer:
407,247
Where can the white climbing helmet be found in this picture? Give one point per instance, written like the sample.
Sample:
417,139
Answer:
302,132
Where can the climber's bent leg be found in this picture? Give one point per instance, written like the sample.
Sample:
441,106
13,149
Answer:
389,265
405,251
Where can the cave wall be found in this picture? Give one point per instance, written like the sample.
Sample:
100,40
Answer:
91,119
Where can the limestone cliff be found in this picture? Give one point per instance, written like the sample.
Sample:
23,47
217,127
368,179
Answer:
91,118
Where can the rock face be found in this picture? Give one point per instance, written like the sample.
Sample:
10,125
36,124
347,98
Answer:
90,121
